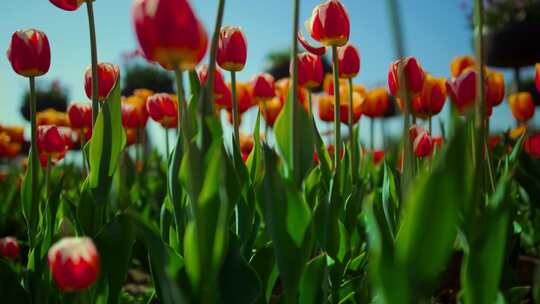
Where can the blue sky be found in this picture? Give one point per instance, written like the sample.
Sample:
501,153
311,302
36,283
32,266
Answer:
435,32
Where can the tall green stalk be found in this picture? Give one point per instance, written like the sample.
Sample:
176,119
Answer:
34,162
294,114
337,120
235,112
93,50
352,138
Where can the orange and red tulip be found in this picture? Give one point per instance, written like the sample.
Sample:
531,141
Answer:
80,115
494,87
326,107
329,24
68,5
460,64
244,97
421,140
74,263
270,110
9,247
349,61
521,105
15,133
232,49
431,100
462,90
52,117
220,87
263,86
169,33
140,115
310,70
108,76
163,108
376,103
412,80
283,87
29,53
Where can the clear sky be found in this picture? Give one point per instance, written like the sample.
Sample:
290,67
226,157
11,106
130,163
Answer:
435,32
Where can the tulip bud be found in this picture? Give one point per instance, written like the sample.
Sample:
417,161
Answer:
50,141
460,64
68,5
537,76
494,88
405,76
349,61
244,97
163,108
431,100
270,110
310,70
378,156
358,101
329,24
74,263
220,87
169,33
108,75
326,107
80,115
462,90
9,247
140,115
522,106
246,143
376,103
421,140
29,53
129,116
264,87
232,49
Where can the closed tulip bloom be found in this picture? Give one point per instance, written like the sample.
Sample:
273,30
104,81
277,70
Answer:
537,76
270,110
29,53
129,116
232,49
431,100
494,88
358,101
532,145
80,115
421,140
108,75
310,70
220,87
326,108
74,263
140,115
169,33
9,247
244,96
378,156
283,88
50,141
15,133
522,106
163,108
460,64
376,103
349,61
411,81
264,87
329,24
462,90
68,5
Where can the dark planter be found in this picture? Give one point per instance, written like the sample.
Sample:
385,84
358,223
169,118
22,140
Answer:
513,46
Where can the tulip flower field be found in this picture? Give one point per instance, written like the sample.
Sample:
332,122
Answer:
93,211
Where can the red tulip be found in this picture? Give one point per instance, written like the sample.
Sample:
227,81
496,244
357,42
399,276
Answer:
494,140
522,106
139,116
376,103
270,109
264,87
378,156
537,76
29,53
349,61
80,115
220,87
108,75
163,108
129,116
68,5
232,49
50,141
421,140
460,64
411,81
329,24
169,33
9,247
532,145
310,70
462,90
74,263
431,100
244,97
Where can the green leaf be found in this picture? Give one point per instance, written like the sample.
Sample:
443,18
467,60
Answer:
297,166
254,161
239,283
313,287
30,198
298,215
517,295
390,199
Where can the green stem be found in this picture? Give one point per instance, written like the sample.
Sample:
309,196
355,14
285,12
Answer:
372,133
235,112
47,177
167,145
337,121
352,138
82,140
350,120
294,114
480,106
93,50
34,162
